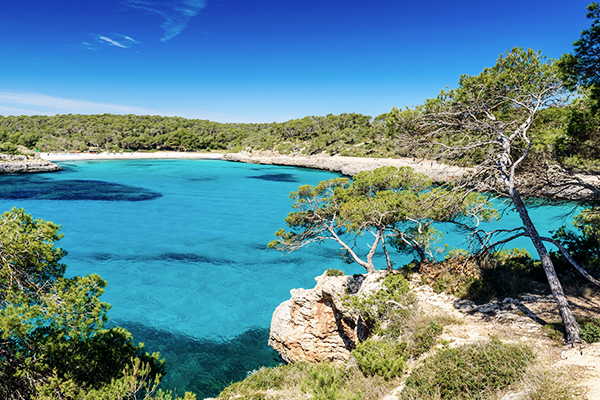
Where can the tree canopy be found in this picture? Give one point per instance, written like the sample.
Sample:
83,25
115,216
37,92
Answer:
53,340
581,68
394,205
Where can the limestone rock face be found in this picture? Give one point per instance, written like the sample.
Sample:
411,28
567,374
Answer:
23,165
311,327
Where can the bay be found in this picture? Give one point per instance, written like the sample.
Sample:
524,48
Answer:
182,245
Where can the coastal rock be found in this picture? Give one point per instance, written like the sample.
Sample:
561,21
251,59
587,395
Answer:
24,165
311,326
569,187
350,165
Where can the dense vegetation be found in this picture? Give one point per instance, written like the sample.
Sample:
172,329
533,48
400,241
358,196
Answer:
569,134
334,134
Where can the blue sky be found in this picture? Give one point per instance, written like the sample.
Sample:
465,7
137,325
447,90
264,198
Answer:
259,60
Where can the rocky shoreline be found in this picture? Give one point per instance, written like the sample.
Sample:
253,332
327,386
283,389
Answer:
25,165
577,187
350,165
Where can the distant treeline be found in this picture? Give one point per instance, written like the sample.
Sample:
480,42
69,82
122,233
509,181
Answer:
332,133
568,133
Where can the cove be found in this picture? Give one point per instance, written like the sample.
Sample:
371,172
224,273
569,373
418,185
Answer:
182,244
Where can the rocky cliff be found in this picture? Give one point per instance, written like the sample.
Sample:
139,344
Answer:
23,165
311,325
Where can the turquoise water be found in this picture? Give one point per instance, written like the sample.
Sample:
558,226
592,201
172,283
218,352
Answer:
182,244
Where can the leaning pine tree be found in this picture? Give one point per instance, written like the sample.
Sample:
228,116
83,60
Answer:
487,121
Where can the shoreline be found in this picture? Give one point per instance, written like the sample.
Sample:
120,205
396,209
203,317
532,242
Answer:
159,155
349,166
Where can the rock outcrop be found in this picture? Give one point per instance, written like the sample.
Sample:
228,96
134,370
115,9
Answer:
350,165
24,165
311,325
568,187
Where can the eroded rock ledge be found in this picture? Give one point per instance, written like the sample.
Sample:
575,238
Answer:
311,325
25,165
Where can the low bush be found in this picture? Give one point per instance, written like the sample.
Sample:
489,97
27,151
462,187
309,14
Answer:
555,331
507,273
394,297
424,338
476,371
589,329
257,382
545,384
323,381
382,358
334,272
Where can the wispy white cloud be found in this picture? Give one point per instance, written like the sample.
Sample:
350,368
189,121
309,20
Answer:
111,41
13,102
129,38
176,14
88,46
114,39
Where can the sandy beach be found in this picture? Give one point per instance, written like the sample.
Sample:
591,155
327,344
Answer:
346,165
158,155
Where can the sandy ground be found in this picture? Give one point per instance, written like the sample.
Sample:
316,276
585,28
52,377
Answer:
159,155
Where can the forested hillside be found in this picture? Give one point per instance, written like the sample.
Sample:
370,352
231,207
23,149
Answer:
570,134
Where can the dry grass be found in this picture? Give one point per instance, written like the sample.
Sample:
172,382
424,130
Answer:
542,383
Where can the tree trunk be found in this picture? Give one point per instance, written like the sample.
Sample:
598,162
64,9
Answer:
387,256
367,265
370,267
571,326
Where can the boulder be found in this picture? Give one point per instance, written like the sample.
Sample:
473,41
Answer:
311,325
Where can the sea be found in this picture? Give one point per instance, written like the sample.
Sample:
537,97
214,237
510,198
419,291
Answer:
183,247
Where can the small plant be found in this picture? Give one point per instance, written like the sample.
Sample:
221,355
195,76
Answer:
544,384
589,329
327,382
475,371
555,331
323,381
261,380
424,338
334,272
380,357
393,297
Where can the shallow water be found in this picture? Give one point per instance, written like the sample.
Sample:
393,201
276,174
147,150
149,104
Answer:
182,244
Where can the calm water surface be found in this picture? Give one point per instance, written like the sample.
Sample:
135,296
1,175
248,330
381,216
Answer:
182,244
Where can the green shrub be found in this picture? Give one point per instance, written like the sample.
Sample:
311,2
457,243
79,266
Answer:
508,274
9,148
555,331
382,358
334,272
394,294
328,382
255,384
589,329
475,371
424,338
323,381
